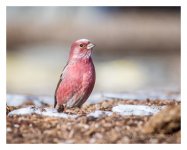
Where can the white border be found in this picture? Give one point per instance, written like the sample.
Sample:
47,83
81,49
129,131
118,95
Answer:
184,72
92,2
88,3
2,74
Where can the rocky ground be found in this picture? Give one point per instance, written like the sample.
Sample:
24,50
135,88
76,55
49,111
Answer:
163,127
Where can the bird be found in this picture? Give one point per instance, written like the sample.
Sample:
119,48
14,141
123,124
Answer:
78,77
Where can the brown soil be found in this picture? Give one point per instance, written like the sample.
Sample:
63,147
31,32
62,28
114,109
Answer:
163,127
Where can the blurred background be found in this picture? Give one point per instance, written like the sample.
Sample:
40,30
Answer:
136,47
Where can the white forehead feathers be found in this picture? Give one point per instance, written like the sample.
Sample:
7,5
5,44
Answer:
83,40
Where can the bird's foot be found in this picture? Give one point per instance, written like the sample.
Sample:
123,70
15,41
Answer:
60,108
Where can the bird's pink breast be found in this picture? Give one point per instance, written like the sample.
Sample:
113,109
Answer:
77,83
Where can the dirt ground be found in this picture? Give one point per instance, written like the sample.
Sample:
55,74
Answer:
163,127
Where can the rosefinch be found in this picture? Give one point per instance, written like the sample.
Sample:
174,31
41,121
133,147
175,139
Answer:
78,77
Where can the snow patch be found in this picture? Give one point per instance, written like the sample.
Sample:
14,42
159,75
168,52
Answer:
49,112
99,113
140,110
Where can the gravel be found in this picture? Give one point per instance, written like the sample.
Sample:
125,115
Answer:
96,123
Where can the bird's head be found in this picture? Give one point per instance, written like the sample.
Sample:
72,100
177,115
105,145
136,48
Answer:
81,49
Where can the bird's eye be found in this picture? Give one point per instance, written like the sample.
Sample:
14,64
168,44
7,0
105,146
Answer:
81,45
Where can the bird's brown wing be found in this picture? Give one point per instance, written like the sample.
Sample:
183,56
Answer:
61,78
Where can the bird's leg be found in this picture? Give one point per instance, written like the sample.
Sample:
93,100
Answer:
60,108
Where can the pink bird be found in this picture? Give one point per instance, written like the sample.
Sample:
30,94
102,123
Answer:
78,77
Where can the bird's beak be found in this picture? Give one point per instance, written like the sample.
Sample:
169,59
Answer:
90,46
